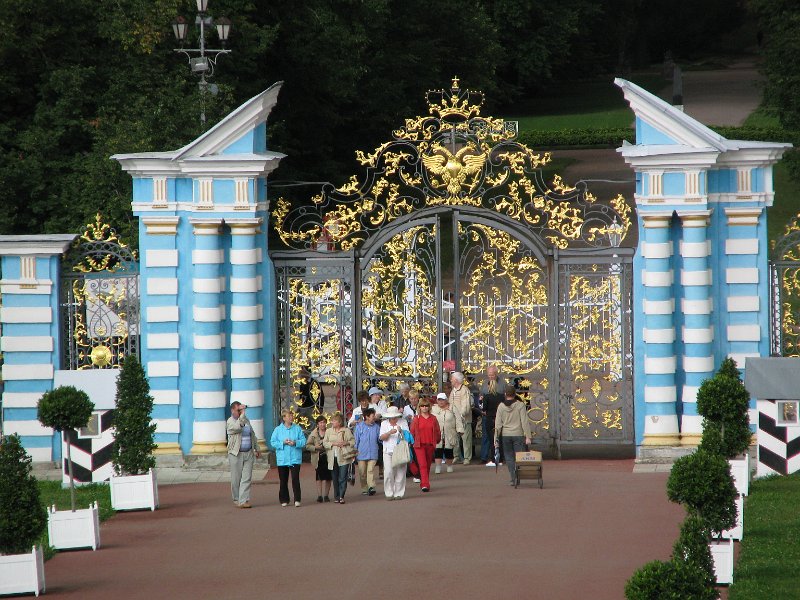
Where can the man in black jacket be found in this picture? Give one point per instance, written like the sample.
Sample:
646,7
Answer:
490,395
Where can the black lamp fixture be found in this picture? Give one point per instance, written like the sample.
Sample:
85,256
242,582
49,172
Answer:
202,60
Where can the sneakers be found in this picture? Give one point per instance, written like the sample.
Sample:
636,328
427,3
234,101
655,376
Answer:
491,464
466,462
284,504
364,492
425,490
416,480
245,504
371,491
319,498
499,464
326,499
296,503
449,469
438,469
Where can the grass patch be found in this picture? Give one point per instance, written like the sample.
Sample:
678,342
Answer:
787,202
587,104
762,118
767,566
51,492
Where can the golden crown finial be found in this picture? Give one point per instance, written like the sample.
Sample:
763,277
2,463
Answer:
454,86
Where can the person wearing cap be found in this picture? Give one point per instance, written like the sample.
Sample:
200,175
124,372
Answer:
376,397
242,453
426,432
460,400
451,424
394,478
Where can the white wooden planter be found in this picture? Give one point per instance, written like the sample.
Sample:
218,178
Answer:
722,553
134,492
79,529
22,573
737,531
740,469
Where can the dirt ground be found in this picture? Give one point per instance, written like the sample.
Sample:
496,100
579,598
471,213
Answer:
473,536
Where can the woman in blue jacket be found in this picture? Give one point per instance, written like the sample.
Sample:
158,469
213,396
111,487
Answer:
288,441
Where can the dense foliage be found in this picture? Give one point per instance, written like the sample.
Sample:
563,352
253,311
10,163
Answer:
669,580
22,518
133,437
84,79
64,408
723,402
702,482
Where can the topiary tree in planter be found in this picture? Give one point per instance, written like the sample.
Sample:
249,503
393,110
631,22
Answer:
132,453
22,517
702,482
66,408
669,580
692,548
723,402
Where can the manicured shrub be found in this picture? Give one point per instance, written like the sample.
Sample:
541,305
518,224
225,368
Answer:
611,137
723,402
692,548
63,409
670,580
22,517
133,439
702,482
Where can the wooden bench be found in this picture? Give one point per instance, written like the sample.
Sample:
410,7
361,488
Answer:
529,466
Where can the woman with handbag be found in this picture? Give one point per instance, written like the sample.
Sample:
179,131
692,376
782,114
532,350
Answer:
319,459
394,471
451,426
340,448
426,432
513,426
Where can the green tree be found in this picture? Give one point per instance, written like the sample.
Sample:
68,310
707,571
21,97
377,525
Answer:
132,453
22,516
723,402
66,408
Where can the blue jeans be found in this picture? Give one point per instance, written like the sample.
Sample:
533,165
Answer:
487,441
339,479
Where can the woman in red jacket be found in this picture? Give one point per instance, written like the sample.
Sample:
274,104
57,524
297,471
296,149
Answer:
426,432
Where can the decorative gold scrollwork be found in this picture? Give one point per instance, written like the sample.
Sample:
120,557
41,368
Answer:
452,156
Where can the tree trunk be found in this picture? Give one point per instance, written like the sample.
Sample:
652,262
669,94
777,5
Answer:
71,480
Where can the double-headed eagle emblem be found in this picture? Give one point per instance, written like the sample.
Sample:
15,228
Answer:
453,171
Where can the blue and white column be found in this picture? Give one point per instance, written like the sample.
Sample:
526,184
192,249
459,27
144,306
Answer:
160,345
697,332
209,398
30,335
660,363
246,316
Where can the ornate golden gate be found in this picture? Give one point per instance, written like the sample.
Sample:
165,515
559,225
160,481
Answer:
453,253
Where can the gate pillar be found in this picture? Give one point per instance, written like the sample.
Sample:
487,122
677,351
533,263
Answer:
719,189
658,335
30,335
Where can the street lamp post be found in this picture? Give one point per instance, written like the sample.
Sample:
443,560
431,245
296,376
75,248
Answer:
202,60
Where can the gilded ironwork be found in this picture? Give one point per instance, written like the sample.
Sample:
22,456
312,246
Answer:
785,285
451,252
453,156
398,308
595,369
314,342
100,300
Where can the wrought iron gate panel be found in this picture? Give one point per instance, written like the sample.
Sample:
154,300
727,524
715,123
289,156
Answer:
595,358
785,291
503,314
99,300
400,311
315,350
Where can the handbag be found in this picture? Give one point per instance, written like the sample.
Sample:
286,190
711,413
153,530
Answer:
401,455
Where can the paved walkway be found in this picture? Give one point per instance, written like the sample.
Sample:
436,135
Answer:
473,536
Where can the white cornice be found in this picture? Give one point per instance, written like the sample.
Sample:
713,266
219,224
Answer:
35,245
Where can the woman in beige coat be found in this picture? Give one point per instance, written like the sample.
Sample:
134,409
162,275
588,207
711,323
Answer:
339,444
451,425
513,427
319,459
